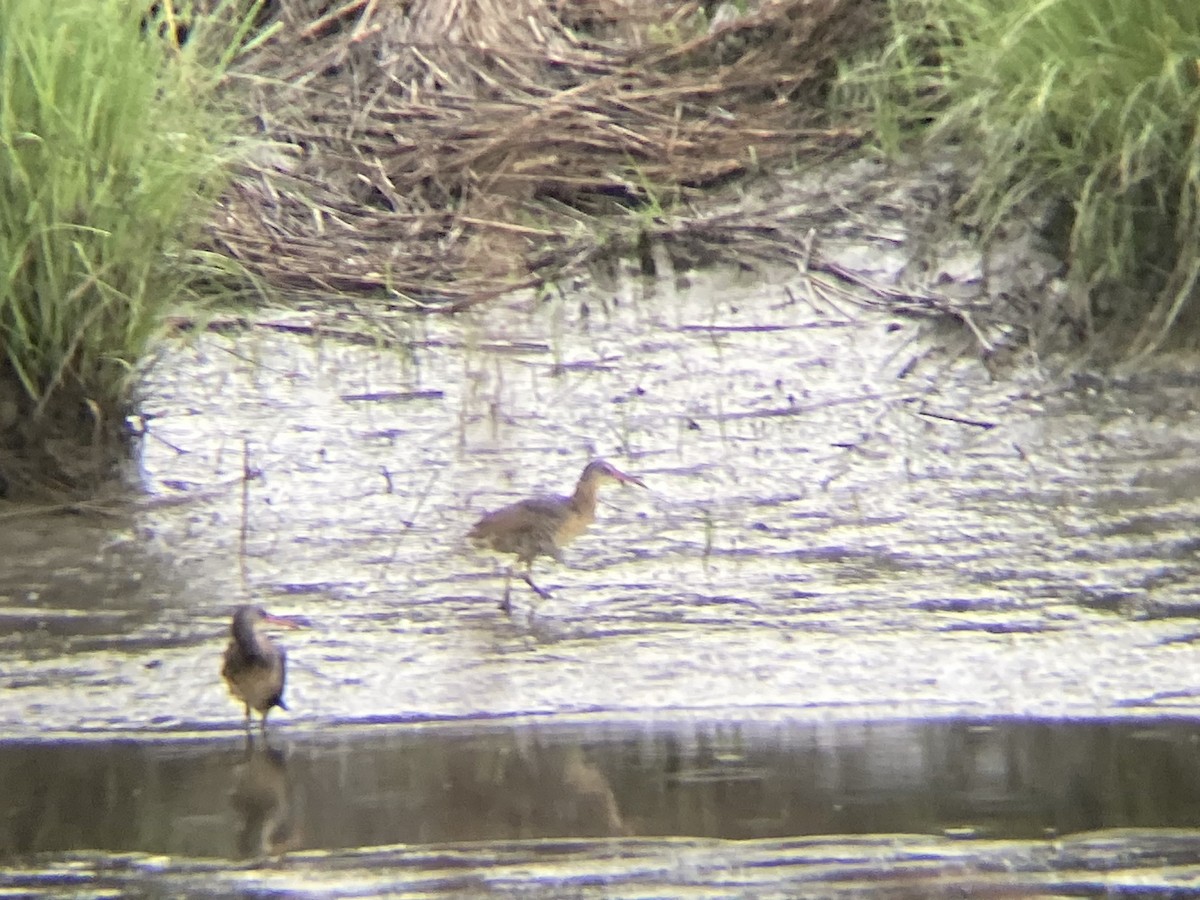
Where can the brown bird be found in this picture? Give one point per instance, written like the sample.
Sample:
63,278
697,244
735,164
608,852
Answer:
542,526
255,667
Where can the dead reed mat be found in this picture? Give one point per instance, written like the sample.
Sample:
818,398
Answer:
440,153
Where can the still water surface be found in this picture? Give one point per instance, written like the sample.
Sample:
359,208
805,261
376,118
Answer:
135,812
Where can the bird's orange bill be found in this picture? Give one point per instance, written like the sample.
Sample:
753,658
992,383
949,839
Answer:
283,621
628,479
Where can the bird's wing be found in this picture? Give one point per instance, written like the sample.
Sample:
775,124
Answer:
522,527
549,508
231,662
548,511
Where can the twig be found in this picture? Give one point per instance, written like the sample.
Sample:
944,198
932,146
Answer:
319,25
958,420
245,526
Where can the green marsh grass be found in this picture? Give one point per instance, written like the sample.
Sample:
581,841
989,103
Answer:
1094,104
114,144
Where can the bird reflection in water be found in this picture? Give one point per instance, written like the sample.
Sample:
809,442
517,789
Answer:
588,789
542,526
262,801
531,791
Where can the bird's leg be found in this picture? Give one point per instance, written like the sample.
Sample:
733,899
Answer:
506,603
247,718
527,575
262,723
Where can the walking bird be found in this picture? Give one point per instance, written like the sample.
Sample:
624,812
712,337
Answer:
542,526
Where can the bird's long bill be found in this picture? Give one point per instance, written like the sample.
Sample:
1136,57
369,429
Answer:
626,478
283,621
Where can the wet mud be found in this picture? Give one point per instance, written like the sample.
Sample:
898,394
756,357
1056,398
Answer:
848,520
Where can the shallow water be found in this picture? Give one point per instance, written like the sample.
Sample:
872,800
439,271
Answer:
811,538
847,520
578,778
723,807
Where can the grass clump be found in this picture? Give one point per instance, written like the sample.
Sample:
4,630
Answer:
1091,103
112,150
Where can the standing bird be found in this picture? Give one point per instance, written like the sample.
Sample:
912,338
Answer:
542,526
255,667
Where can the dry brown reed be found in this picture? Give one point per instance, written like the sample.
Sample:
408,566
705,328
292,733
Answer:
439,153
